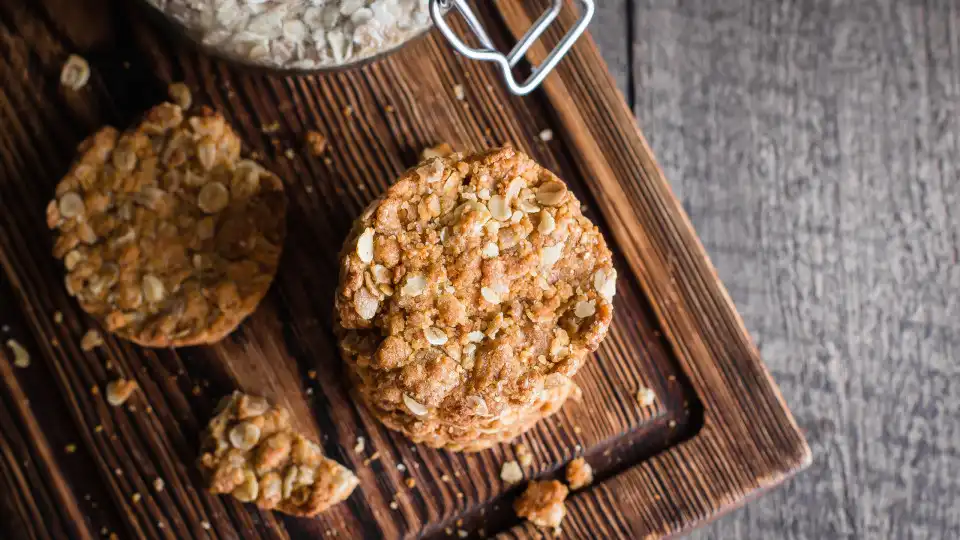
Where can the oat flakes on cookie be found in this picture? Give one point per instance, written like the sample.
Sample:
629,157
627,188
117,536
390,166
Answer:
169,238
470,292
251,452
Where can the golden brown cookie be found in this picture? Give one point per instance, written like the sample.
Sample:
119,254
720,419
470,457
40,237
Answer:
169,238
250,451
470,292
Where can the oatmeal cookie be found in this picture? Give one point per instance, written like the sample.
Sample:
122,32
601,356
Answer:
470,292
169,238
251,452
542,503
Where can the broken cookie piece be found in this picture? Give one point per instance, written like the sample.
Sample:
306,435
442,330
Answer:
542,503
251,451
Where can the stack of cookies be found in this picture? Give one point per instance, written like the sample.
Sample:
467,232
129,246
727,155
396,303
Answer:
470,293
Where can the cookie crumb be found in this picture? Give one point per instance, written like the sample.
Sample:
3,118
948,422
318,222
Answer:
524,455
272,127
361,444
179,93
316,142
411,483
289,153
135,498
75,73
645,397
119,391
205,525
372,458
462,533
546,135
511,472
542,503
57,317
579,474
21,358
158,484
91,340
70,448
459,92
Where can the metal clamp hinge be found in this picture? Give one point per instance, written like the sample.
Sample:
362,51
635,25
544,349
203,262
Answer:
507,62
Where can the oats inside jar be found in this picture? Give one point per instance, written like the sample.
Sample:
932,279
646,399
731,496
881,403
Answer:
293,34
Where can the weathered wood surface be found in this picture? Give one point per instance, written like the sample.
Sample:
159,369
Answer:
675,330
816,147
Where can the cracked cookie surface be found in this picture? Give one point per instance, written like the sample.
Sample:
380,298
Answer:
169,238
470,292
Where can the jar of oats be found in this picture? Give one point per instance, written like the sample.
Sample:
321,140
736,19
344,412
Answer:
299,35
313,35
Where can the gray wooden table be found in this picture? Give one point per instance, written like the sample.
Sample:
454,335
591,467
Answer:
816,146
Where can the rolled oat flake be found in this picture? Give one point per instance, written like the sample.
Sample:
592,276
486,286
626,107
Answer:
299,34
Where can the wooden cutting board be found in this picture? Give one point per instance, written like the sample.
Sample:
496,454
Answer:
72,466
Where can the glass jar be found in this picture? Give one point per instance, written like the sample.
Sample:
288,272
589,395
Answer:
319,35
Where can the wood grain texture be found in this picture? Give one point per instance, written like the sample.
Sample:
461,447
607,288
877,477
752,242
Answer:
719,422
815,147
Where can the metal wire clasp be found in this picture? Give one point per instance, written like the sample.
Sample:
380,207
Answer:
489,53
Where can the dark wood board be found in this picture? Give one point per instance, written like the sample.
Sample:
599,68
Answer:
718,433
